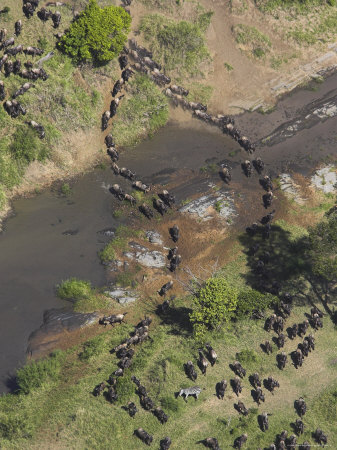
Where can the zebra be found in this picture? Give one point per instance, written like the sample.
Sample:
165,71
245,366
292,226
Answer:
195,391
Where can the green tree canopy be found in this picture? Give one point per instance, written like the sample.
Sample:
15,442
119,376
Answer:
98,34
214,305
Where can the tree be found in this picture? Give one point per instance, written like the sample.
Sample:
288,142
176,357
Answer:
98,34
214,305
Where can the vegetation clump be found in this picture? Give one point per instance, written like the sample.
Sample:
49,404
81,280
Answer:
251,38
214,305
98,34
85,298
179,46
250,300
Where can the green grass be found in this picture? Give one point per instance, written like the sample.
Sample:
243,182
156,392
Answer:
141,114
228,66
179,46
297,6
251,39
118,243
66,189
199,92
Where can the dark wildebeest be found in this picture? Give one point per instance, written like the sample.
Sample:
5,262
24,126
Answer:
143,435
311,342
126,74
220,389
172,253
99,389
33,51
16,66
123,61
303,327
247,168
160,206
39,128
174,263
268,218
161,416
167,198
44,14
111,395
131,409
268,347
212,356
179,90
241,408
113,153
129,198
271,384
320,437
297,358
258,395
267,199
190,370
280,339
281,360
8,67
305,446
163,290
14,50
317,322
56,18
210,442
238,369
202,362
3,33
236,385
299,427
266,183
117,87
258,165
263,421
135,380
174,232
141,187
146,210
109,140
165,443
301,407
146,402
2,91
105,120
270,321
24,88
225,174
127,173
255,380
292,331
240,441
279,325
314,310
304,347
18,27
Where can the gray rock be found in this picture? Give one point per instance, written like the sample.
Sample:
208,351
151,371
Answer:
154,237
123,296
126,300
204,207
151,259
325,179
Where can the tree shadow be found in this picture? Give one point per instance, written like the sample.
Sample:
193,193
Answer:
178,319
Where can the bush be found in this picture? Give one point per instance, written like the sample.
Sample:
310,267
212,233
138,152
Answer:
177,45
251,300
26,146
248,357
74,289
34,375
170,404
125,388
92,348
98,34
214,305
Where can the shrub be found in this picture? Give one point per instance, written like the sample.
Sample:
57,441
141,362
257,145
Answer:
98,34
250,300
125,388
13,427
65,189
170,404
251,37
74,289
214,305
178,45
26,146
93,347
248,356
35,374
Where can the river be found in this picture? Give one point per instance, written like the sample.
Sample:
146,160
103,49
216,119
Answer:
51,237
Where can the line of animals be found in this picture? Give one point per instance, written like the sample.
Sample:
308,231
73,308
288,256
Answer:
13,107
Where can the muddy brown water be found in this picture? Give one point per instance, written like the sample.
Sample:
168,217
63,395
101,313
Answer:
51,238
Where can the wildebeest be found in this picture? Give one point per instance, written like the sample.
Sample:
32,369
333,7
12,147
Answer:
300,407
167,198
240,441
303,327
305,446
165,443
99,389
194,391
141,187
33,51
16,66
127,173
44,14
129,198
3,60
238,369
267,199
225,174
220,389
125,353
252,229
172,252
117,191
146,402
24,88
270,321
236,385
258,165
132,409
299,427
210,442
123,61
247,168
115,168
163,290
292,331
28,9
178,90
280,340
111,395
117,87
190,370
109,140
38,127
113,153
202,115
314,310
258,395
316,322
3,33
14,50
320,437
161,416
160,206
126,74
146,210
18,27
174,232
212,356
297,358
241,408
268,217
105,120
291,441
2,90
135,380
7,43
114,105
113,318
282,360
151,64
304,347
14,108
202,362
268,347
271,384
266,183
311,342
174,262
143,436
56,18
255,380
263,421
125,363
8,67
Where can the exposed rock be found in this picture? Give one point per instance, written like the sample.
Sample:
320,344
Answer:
290,188
208,206
123,296
154,237
109,232
325,179
148,258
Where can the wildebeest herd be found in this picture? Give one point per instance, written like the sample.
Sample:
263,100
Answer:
11,63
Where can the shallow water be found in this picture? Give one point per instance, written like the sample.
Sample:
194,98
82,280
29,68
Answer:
52,238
